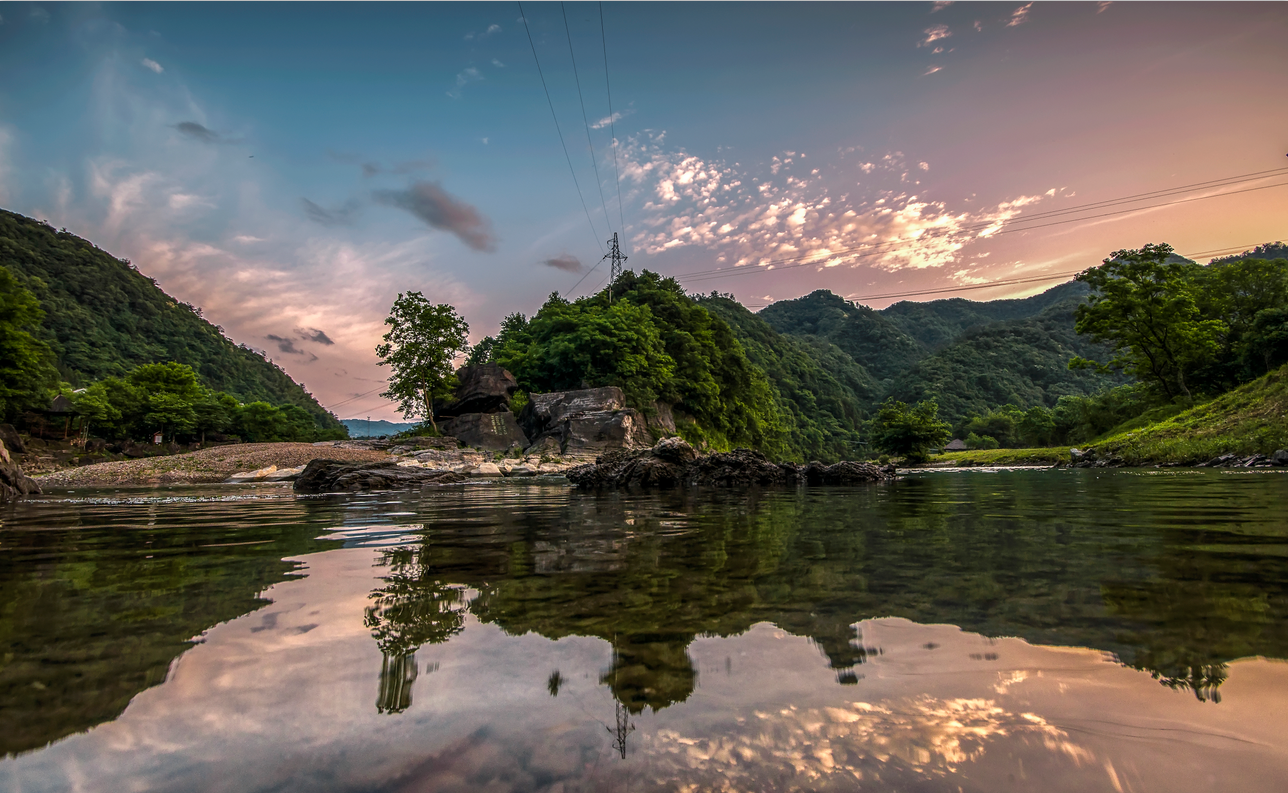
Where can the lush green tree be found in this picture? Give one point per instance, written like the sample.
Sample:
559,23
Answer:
1145,304
1037,427
420,349
909,432
1266,343
259,422
1001,423
26,363
977,441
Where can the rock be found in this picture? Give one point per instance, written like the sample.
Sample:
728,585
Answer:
662,422
487,469
13,483
522,470
546,447
9,436
547,410
285,474
1080,455
1280,457
675,450
335,476
673,462
497,432
485,388
591,433
844,473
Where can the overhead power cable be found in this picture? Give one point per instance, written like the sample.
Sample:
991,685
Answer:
621,216
550,102
599,183
359,396
882,248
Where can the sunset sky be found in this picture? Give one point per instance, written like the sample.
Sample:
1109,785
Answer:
291,167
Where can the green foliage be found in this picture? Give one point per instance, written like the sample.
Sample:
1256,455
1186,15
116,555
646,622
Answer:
974,441
822,394
1185,329
420,348
26,369
909,432
167,398
103,318
657,344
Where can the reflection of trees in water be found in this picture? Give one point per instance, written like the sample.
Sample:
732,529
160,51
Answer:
412,609
649,573
397,674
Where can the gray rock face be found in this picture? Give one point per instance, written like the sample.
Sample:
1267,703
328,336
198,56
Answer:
672,463
13,483
663,420
335,476
485,388
9,436
1280,457
585,422
497,432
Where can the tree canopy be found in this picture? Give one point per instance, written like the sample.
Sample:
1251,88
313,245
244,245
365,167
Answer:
909,432
420,349
26,363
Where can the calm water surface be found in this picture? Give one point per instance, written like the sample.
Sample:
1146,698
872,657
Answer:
1026,630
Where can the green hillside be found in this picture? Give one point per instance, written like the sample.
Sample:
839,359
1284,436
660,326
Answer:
939,322
1022,362
823,394
103,318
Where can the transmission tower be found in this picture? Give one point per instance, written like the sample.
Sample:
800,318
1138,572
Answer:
615,254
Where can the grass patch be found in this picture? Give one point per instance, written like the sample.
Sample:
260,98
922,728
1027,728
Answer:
1251,419
1045,456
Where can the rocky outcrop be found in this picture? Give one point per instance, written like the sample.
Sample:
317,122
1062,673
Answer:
673,463
13,483
485,388
496,432
584,423
9,437
1089,458
335,476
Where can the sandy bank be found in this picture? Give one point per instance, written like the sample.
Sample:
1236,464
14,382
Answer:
205,465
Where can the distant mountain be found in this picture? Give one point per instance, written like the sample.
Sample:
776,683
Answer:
1271,250
364,428
103,317
969,356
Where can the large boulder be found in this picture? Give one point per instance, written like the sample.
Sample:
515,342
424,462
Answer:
13,483
337,476
485,388
585,422
495,432
9,436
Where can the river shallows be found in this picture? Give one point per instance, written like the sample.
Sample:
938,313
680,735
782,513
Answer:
1039,630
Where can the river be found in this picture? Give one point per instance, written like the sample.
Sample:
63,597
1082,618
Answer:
1046,630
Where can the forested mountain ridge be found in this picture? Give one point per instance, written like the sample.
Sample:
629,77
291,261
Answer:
103,318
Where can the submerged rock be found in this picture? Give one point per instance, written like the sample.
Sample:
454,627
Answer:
336,476
13,483
672,463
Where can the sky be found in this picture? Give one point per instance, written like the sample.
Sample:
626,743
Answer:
291,168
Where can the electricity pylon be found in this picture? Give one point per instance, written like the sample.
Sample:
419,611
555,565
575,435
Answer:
614,253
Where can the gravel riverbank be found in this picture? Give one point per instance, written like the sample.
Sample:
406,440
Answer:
205,465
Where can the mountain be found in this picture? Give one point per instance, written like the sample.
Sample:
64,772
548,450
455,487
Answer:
969,356
103,318
823,394
365,428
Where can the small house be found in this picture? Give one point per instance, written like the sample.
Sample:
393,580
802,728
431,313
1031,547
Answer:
956,445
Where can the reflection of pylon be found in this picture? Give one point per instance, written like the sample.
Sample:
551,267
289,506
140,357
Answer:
624,726
615,270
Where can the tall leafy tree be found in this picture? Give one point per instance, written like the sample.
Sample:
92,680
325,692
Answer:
1145,304
909,432
420,349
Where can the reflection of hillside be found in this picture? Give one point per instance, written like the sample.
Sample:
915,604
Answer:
650,573
93,613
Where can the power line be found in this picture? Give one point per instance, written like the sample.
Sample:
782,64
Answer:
764,267
621,216
585,120
550,102
359,396
889,244
1014,281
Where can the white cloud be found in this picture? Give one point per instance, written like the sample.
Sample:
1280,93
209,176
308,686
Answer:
153,65
940,5
246,239
497,63
1019,15
692,202
463,78
933,34
932,70
613,119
